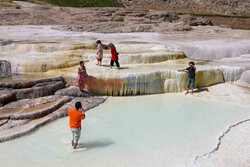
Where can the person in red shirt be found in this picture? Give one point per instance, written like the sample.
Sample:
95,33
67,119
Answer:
75,119
114,57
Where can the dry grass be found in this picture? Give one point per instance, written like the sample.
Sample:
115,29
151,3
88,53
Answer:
9,3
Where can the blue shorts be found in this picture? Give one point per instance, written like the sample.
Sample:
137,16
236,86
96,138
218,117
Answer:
191,80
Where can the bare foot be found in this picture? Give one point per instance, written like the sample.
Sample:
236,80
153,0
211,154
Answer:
186,93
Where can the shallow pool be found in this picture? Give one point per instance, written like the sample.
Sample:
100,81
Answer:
156,130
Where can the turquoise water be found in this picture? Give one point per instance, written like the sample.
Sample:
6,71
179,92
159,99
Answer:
157,130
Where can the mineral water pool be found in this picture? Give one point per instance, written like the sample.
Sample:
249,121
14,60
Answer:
143,131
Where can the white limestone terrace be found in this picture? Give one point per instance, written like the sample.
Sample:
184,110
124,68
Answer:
45,49
225,49
203,43
135,79
213,38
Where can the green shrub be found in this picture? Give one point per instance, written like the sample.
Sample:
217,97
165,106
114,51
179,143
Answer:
86,3
119,19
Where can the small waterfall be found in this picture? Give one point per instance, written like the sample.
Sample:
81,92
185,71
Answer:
211,49
167,81
141,58
244,79
231,74
5,68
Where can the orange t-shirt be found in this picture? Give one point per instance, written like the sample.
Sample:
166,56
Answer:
75,118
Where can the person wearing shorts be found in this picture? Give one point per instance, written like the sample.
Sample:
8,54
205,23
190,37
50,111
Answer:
191,76
75,119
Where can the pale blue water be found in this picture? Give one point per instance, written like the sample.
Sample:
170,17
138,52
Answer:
157,130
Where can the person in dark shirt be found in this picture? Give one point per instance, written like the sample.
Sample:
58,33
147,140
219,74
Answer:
191,76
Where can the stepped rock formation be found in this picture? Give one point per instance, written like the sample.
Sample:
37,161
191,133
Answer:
28,105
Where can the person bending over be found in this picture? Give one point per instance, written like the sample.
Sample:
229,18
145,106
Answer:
75,119
191,76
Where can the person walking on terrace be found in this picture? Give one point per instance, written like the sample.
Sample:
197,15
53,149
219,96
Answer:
114,56
82,76
75,119
99,53
191,76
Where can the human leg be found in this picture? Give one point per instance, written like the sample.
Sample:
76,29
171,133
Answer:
188,85
117,64
193,81
76,135
111,63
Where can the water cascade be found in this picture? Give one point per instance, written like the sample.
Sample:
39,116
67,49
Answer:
5,68
211,49
147,68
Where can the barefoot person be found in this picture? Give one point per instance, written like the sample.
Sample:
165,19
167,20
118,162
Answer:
191,76
75,117
114,57
99,53
82,75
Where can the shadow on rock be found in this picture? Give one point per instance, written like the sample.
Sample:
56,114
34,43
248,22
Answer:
201,90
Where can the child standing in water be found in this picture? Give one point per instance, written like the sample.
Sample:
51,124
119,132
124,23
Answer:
114,57
82,75
99,53
191,76
75,119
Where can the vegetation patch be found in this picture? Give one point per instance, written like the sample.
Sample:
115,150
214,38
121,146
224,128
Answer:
119,19
9,3
81,3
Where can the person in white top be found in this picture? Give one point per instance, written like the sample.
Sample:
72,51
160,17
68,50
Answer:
99,53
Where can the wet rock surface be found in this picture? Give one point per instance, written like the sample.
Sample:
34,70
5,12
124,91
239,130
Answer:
5,68
33,89
244,79
73,92
28,105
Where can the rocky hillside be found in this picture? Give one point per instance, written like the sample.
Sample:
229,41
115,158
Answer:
138,16
221,7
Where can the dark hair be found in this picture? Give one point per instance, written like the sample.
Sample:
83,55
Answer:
191,62
78,105
98,42
81,62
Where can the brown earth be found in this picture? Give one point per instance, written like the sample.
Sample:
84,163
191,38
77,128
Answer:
221,7
106,20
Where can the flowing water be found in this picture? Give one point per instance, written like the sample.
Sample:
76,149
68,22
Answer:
155,130
143,56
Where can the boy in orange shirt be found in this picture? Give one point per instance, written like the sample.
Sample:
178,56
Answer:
75,119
